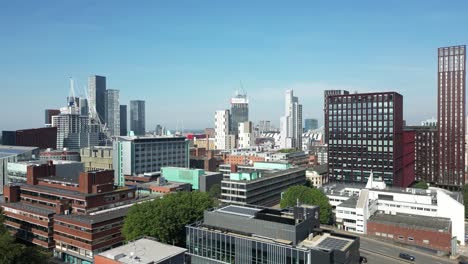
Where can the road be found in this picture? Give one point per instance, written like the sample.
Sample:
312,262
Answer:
381,252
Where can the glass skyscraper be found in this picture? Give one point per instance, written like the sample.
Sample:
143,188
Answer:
113,112
137,117
97,96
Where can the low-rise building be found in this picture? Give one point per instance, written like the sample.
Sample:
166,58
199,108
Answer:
97,158
355,204
17,171
64,154
260,184
13,154
317,175
43,138
262,235
199,179
143,250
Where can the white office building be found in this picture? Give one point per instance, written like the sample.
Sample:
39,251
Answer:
355,204
222,127
291,122
246,135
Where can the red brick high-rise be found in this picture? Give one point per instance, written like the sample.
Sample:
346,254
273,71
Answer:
451,116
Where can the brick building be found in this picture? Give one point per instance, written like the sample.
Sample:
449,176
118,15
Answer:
73,216
428,232
426,153
43,138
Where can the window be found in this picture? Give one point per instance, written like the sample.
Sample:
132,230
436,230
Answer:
401,237
425,241
410,238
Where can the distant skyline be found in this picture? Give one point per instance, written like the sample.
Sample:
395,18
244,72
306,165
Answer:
186,58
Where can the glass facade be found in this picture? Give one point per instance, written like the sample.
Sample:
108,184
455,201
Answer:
363,130
209,246
137,117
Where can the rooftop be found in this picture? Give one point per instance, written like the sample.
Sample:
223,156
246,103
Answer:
6,151
43,161
320,169
350,203
30,208
143,250
328,241
95,218
60,179
132,138
414,221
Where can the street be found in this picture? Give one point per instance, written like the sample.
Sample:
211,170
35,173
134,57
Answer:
380,252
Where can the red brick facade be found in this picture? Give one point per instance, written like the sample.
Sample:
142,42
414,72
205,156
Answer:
432,239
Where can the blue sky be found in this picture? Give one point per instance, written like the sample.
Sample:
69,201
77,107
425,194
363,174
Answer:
186,58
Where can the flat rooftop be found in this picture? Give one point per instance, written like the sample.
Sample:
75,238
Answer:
96,218
350,203
143,250
6,151
414,221
30,208
131,138
327,241
44,161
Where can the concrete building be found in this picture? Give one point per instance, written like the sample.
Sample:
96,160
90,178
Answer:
200,180
451,116
321,151
365,133
143,250
65,154
355,203
223,140
113,112
137,155
246,135
48,116
239,112
75,131
45,137
426,153
17,171
13,154
123,120
260,184
263,235
318,175
291,122
138,117
248,156
310,124
97,158
97,96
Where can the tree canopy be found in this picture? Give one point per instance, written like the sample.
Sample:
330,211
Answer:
421,185
310,196
13,252
215,191
165,219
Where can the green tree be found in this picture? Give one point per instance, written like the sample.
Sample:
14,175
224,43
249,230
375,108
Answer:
215,191
310,196
165,219
13,252
421,185
309,183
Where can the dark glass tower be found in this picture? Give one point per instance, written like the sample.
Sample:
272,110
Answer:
123,120
239,112
137,117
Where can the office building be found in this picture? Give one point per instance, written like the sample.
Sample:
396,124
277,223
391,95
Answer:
137,117
239,112
451,116
200,180
291,123
310,124
13,154
77,218
137,155
17,171
97,97
260,184
45,137
355,204
246,136
223,139
123,120
263,235
113,112
365,134
48,116
426,153
143,250
97,158
325,108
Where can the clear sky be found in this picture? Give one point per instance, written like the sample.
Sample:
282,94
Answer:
186,58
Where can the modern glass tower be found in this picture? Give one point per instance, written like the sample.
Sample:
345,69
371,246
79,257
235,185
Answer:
113,112
137,117
451,115
97,96
239,112
291,123
123,120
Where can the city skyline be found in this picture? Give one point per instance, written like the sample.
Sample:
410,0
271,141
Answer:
309,51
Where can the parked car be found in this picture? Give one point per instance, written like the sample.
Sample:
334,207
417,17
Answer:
406,256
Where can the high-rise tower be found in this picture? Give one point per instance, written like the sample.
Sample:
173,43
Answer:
137,117
239,112
97,96
451,115
113,112
291,122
